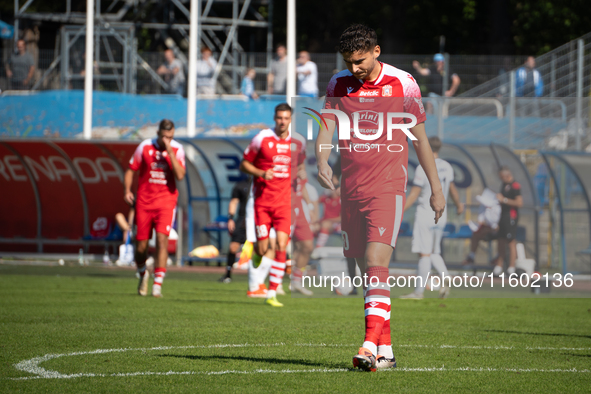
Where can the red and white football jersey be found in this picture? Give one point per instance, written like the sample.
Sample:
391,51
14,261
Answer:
266,151
156,185
379,166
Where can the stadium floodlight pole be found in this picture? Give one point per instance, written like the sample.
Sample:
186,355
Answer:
579,107
291,50
192,88
88,70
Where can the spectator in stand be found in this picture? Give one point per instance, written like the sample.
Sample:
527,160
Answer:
307,75
205,72
247,87
277,77
20,68
529,83
435,76
172,73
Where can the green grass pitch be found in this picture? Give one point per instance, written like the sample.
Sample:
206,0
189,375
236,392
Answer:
209,337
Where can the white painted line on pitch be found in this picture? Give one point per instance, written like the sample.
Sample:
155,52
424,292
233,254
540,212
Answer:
32,365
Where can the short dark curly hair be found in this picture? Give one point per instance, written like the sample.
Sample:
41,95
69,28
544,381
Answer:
358,37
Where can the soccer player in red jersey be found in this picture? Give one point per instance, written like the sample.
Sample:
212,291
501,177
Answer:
373,180
159,161
268,159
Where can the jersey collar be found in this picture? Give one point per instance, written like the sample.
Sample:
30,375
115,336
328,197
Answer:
378,79
286,138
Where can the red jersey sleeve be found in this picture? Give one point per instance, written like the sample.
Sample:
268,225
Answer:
413,104
180,155
136,160
252,150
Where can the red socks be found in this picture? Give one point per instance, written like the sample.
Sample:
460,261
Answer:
277,270
377,309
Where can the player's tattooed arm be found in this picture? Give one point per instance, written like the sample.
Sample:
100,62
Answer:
427,161
324,139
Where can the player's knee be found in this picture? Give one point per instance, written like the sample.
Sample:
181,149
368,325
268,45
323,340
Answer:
142,247
162,240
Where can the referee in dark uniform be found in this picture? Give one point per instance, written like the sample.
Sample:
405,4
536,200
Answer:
236,224
511,200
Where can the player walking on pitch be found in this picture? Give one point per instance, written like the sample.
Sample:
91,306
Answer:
426,235
268,159
159,161
373,180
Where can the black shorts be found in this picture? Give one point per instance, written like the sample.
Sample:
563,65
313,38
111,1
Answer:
507,229
239,234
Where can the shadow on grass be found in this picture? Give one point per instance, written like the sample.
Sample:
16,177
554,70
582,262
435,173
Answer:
576,355
556,334
253,302
275,361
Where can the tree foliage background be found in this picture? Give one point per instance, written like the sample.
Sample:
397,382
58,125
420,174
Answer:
511,27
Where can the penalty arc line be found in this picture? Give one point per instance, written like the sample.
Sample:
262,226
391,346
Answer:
32,365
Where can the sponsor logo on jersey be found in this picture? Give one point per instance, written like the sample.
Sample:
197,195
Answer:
271,145
366,100
372,117
387,91
159,165
281,159
371,93
283,148
349,89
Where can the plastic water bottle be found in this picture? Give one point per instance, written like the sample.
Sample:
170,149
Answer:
81,257
106,258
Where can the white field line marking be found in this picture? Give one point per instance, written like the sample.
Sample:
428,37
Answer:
32,365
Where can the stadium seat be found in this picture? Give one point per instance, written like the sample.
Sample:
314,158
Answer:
463,232
405,230
449,229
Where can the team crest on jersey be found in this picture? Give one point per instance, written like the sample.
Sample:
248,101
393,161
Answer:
387,91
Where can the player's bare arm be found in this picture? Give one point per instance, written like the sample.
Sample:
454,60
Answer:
231,212
516,202
455,196
177,168
249,168
427,161
128,196
415,192
455,83
324,170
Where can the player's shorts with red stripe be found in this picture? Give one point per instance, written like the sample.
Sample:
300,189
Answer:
265,217
376,219
158,218
301,230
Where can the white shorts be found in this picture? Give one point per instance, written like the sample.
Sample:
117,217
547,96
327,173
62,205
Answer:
426,235
250,226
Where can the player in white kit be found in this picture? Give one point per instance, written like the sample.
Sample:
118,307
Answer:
426,235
